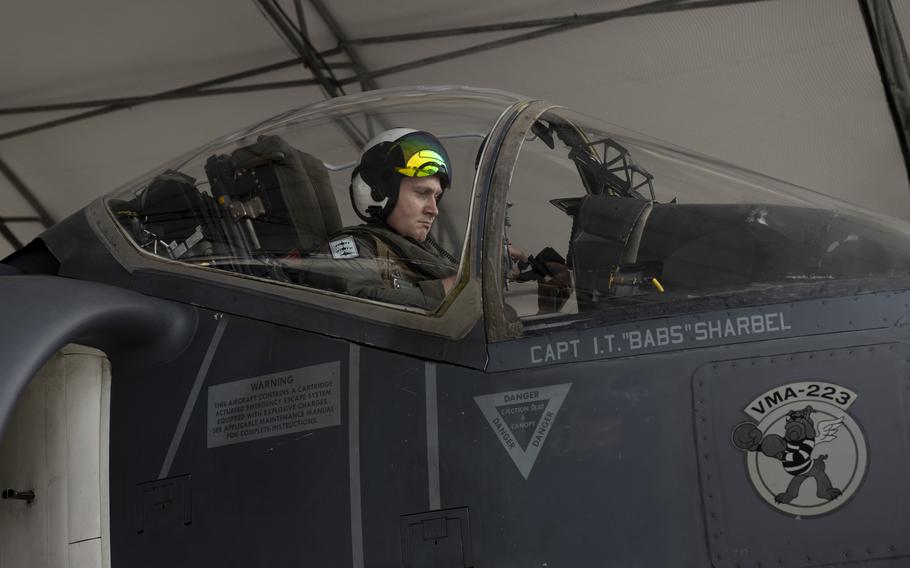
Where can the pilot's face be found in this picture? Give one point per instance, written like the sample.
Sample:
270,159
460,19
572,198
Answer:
416,209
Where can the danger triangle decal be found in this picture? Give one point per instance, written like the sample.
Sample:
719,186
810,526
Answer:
522,420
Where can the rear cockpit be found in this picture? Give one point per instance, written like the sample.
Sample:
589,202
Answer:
265,204
258,207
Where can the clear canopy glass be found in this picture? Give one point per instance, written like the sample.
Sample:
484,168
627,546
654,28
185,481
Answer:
266,202
620,219
598,217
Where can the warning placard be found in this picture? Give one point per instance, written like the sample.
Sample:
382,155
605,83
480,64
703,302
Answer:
522,420
273,405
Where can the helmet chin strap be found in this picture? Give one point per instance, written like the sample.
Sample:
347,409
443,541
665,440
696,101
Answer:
374,212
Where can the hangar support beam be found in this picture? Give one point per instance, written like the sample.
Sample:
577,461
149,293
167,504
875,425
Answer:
44,217
301,20
367,82
112,105
365,78
568,24
312,59
8,235
893,65
573,21
298,43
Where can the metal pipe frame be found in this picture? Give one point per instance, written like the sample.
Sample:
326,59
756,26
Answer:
574,20
44,217
655,7
298,43
301,20
891,59
364,77
112,105
8,235
130,102
313,60
367,81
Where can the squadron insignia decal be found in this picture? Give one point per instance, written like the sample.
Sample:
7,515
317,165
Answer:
522,420
806,455
344,248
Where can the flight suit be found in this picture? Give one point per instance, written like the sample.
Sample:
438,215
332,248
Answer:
375,262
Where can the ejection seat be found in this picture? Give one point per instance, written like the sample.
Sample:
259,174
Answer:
171,218
269,202
276,199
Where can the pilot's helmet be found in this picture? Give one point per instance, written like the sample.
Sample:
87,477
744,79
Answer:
388,158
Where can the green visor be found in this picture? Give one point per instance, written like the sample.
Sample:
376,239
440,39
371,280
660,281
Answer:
420,154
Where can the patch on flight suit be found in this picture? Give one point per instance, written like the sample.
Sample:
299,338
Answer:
344,248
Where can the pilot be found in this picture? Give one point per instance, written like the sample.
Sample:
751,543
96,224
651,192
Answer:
396,189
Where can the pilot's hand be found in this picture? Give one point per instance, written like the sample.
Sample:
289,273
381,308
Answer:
553,291
517,258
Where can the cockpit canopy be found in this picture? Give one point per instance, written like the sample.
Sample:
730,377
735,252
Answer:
595,217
